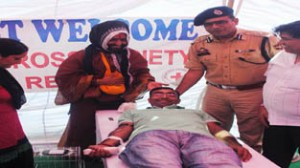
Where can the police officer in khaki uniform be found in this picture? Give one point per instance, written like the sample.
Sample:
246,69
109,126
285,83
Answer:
233,62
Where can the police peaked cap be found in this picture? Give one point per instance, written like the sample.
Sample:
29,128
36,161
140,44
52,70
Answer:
212,13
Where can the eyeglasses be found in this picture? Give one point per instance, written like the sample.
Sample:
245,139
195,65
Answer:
285,37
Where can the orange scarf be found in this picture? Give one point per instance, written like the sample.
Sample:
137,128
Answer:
111,89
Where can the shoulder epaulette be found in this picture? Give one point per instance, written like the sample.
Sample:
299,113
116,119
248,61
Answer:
205,38
239,36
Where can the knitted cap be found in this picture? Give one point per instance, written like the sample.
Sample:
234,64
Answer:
103,32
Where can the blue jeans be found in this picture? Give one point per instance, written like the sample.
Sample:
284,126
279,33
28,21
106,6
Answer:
177,149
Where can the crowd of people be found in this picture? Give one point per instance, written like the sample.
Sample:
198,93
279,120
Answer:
250,75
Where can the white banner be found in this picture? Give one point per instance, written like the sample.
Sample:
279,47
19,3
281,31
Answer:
163,42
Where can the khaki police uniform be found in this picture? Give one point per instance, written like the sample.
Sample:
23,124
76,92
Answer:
234,71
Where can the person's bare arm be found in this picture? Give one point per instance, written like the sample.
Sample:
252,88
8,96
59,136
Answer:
230,140
189,79
115,138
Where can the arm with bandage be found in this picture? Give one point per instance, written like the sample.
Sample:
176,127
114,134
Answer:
223,135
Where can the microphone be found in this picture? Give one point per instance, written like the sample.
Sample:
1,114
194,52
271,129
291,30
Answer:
243,59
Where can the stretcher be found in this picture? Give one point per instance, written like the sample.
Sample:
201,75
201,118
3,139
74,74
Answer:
107,121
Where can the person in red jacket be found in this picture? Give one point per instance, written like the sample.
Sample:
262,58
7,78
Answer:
15,149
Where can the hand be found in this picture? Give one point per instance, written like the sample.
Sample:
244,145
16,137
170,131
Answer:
99,151
152,85
242,152
110,80
263,116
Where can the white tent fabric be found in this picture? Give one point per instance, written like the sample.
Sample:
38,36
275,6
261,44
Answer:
253,13
44,122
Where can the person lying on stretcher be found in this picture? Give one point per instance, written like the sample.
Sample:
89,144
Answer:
167,135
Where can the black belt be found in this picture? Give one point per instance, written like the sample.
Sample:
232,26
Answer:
239,87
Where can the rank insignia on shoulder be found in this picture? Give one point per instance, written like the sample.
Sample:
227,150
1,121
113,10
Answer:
203,51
